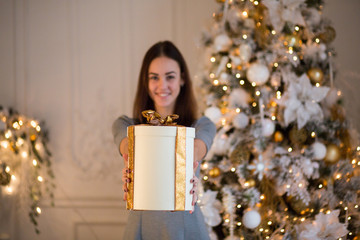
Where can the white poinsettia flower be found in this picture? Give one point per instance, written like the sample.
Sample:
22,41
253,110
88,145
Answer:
301,101
325,226
209,206
282,11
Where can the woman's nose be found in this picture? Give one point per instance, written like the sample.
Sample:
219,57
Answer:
162,82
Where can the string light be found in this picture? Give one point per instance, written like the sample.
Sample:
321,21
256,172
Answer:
40,178
216,82
273,32
205,178
253,84
313,134
295,58
7,169
276,64
242,82
238,206
212,59
256,3
212,75
317,40
297,28
245,14
34,162
8,134
238,75
244,36
233,169
225,88
238,110
317,84
257,93
228,65
38,210
290,149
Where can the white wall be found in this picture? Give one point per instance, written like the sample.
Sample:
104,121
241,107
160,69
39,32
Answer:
74,64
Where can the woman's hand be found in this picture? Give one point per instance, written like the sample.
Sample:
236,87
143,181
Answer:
193,191
125,176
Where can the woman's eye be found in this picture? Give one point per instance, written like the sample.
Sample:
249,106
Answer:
153,78
170,77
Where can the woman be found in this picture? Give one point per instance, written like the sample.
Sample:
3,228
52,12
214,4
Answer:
165,86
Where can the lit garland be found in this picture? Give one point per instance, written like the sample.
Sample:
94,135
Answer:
25,164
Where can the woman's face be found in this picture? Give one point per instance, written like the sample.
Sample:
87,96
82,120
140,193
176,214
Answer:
164,84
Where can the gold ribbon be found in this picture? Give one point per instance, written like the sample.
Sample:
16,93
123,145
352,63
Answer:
131,159
154,118
180,169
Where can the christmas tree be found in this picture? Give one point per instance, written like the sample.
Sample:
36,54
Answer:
285,163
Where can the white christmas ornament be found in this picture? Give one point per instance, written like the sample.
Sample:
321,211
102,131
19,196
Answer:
251,219
241,120
222,43
258,73
213,113
268,127
239,98
319,150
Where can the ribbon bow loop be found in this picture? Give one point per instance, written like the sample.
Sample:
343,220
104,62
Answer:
154,118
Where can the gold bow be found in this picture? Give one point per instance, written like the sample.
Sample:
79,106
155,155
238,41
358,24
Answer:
154,118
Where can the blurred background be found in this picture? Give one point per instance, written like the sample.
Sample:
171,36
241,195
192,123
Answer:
74,65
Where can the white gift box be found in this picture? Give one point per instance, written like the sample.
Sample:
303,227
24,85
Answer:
161,163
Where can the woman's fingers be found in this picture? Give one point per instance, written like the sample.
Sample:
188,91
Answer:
193,191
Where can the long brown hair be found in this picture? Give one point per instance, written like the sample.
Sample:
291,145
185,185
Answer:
185,105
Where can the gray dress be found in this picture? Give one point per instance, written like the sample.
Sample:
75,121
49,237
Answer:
163,225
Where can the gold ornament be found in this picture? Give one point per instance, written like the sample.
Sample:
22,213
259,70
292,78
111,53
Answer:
316,75
214,172
332,154
240,154
328,35
278,136
220,1
250,183
292,41
298,136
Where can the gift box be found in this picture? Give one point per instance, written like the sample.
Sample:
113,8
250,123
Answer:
161,163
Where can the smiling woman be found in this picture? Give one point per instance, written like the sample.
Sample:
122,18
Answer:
165,86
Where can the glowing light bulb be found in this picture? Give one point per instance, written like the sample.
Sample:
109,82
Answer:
238,110
238,75
276,64
233,169
244,36
205,178
257,93
273,32
242,82
216,82
228,65
297,28
7,169
40,178
253,84
225,88
212,75
38,210
290,149
212,59
34,162
8,134
245,14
